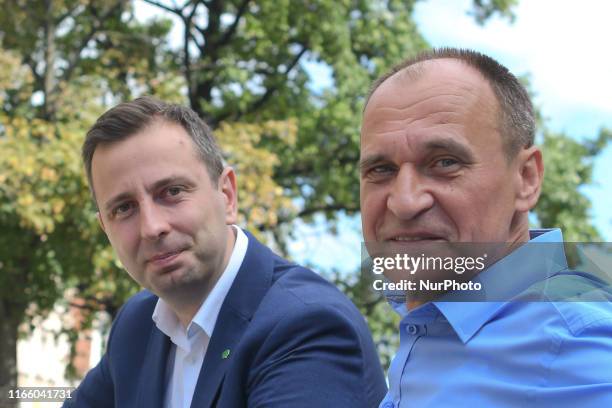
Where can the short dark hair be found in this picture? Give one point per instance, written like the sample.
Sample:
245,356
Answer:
128,118
517,119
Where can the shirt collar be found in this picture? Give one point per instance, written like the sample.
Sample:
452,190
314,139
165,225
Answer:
527,264
206,317
507,278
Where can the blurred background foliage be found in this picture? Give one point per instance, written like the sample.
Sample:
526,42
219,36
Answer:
250,69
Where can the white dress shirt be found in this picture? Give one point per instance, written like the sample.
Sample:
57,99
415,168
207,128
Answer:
189,346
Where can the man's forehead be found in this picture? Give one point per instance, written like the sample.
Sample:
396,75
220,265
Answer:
158,146
160,134
452,73
439,92
441,104
437,66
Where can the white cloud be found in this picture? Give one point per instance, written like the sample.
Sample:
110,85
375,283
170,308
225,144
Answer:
564,45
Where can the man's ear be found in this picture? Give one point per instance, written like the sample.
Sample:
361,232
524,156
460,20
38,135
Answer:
530,173
99,217
227,186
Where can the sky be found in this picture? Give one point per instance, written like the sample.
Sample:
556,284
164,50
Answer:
563,46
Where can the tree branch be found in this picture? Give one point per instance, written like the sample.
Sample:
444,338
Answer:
188,20
227,35
326,208
95,27
215,10
49,83
269,92
178,12
27,59
68,13
303,168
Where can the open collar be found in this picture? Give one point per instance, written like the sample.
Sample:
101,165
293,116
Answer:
507,278
504,280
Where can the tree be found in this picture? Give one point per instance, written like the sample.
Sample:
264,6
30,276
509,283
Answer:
54,81
568,167
55,57
245,66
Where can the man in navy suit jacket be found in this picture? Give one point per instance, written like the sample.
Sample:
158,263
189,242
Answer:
222,321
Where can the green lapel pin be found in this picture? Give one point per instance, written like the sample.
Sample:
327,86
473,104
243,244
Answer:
225,354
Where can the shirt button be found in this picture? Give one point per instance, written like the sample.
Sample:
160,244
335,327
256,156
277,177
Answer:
388,404
412,329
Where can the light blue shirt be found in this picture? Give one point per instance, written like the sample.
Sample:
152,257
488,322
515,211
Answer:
516,353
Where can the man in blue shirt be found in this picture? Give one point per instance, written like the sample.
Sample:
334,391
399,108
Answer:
448,156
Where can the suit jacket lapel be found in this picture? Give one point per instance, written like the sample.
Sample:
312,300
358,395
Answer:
152,385
217,359
250,286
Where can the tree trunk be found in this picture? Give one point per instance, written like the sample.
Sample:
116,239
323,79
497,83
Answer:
9,323
49,106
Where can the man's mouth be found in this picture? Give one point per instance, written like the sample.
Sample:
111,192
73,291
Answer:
420,237
164,258
412,239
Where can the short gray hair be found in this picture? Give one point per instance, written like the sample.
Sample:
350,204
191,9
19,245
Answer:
517,119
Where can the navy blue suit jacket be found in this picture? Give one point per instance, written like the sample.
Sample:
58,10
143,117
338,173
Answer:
295,341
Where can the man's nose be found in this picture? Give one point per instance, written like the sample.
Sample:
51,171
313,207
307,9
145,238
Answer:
409,196
153,223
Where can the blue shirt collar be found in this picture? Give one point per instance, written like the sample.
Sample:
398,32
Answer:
505,279
527,266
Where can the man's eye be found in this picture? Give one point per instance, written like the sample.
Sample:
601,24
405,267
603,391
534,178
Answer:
382,169
173,191
122,209
378,173
445,163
